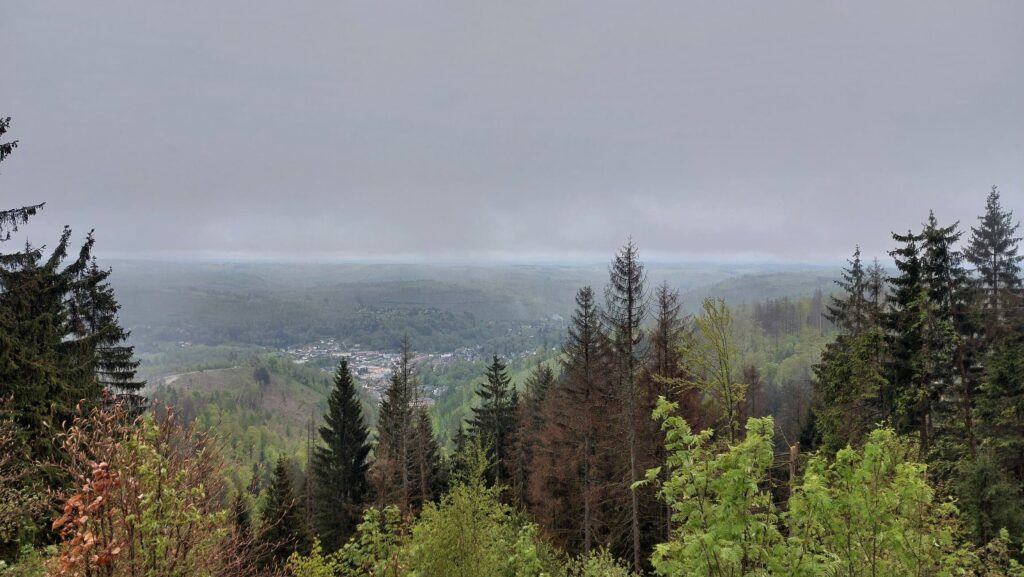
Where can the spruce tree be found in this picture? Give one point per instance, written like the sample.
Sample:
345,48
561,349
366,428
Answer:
947,355
663,378
494,419
339,466
394,419
530,424
849,380
992,251
573,460
405,469
850,311
11,218
625,312
284,531
990,486
902,397
60,341
95,313
427,477
1001,407
877,294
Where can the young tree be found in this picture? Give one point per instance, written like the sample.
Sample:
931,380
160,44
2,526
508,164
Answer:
992,251
867,512
711,360
625,312
339,466
146,498
284,530
494,420
472,533
724,517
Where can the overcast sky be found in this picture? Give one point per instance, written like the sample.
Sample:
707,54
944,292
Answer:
515,129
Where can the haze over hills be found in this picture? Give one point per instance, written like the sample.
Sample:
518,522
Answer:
282,304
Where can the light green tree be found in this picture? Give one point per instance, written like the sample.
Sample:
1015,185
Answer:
711,360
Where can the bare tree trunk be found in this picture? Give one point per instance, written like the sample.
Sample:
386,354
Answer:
633,478
587,536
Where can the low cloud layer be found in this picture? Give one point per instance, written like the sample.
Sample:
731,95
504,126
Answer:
538,129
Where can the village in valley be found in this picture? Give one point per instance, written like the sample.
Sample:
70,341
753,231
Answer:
373,368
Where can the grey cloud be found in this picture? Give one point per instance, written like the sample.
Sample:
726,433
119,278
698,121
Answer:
785,129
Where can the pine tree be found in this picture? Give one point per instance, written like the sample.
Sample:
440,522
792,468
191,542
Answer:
625,312
992,251
494,420
339,465
284,530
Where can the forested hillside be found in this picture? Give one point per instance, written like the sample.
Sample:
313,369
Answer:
871,428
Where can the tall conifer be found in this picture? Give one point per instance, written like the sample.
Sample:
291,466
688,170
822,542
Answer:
494,420
339,466
992,251
625,313
284,531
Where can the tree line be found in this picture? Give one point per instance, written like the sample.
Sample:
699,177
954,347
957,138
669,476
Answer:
934,350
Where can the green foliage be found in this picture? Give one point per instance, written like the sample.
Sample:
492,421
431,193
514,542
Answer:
169,501
711,359
494,421
284,529
989,498
470,533
315,564
869,512
376,546
31,562
340,466
599,563
850,378
724,519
